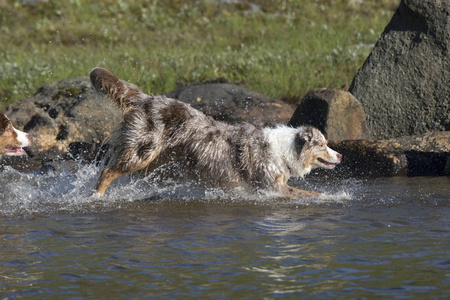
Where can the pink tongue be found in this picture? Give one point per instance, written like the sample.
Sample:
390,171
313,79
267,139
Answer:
14,150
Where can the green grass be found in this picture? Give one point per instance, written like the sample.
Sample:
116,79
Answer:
282,50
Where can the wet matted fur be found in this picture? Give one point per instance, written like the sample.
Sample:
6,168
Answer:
12,140
227,155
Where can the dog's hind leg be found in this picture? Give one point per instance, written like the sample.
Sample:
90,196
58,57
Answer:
107,176
123,166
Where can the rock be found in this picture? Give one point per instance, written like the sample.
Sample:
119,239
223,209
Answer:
232,103
62,113
425,155
23,163
447,167
338,114
404,85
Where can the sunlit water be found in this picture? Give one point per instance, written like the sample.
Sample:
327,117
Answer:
153,237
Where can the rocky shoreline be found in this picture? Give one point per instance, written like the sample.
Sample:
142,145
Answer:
70,121
393,121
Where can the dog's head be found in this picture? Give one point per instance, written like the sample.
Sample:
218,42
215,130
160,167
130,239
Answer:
12,140
311,146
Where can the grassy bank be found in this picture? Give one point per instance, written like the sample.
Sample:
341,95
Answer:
280,48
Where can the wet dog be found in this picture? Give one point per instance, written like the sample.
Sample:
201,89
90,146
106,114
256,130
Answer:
12,141
227,155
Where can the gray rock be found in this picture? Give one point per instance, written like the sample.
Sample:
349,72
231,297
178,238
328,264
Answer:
447,167
420,155
404,85
64,112
232,103
337,113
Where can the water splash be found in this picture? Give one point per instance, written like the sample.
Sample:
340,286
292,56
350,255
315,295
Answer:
69,188
66,188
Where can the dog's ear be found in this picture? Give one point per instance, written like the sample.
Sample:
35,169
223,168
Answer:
304,136
4,123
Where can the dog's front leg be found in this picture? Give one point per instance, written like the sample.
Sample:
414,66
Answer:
293,193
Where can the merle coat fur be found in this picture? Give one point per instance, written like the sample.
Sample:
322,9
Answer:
227,155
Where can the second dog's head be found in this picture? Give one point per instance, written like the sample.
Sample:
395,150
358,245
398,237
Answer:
12,141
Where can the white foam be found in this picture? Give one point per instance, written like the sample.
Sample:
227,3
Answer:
70,188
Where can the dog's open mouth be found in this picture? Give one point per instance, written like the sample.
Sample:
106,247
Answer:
326,163
13,150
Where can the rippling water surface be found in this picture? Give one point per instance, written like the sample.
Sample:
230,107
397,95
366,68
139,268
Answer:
158,238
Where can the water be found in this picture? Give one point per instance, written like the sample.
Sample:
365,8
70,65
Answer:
385,238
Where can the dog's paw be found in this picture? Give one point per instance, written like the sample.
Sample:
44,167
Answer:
95,195
342,196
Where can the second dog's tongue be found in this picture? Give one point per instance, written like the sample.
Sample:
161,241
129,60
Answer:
14,150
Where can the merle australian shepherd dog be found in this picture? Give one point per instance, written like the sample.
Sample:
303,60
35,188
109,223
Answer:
238,155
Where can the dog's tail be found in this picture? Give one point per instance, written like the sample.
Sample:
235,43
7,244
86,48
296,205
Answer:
107,83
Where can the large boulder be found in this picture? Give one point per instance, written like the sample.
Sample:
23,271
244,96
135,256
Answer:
404,85
337,113
232,103
64,112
